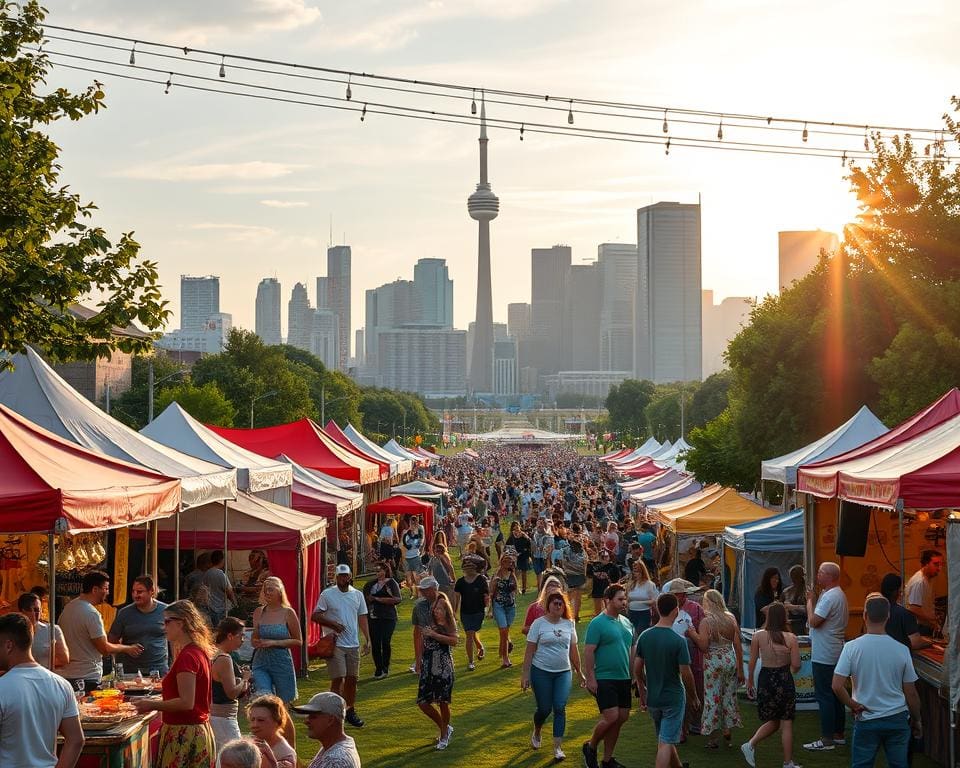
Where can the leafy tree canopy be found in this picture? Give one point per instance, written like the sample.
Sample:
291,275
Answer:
206,404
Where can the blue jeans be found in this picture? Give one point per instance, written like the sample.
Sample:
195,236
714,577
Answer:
504,614
892,733
832,712
551,690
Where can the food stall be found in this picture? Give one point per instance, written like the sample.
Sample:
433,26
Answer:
874,510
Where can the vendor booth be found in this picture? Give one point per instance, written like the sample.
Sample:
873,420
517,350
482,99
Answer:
651,446
397,507
874,510
401,469
393,447
388,468
680,489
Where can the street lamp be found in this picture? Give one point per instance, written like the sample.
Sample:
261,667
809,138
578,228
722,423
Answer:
151,385
324,401
271,393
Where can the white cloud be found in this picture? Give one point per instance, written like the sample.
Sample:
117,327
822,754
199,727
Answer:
284,203
230,227
253,169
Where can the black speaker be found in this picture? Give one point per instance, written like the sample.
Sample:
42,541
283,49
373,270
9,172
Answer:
853,529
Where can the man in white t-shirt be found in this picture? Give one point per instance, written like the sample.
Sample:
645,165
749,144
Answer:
35,705
918,596
325,715
883,690
828,624
86,637
342,610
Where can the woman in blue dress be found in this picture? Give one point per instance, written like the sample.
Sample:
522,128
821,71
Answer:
276,631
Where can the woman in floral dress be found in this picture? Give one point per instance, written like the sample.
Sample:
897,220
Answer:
435,690
718,638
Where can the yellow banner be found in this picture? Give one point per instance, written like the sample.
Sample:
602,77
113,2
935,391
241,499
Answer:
121,566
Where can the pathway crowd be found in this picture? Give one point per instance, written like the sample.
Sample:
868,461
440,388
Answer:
544,520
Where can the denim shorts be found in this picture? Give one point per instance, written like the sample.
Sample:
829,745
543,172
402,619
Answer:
504,615
668,722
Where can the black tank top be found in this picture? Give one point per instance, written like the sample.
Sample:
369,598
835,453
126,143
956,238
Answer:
219,696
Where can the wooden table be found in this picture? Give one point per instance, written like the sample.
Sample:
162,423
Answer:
126,745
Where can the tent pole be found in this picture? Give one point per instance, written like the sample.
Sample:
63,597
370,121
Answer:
176,554
225,510
900,520
302,595
52,600
154,528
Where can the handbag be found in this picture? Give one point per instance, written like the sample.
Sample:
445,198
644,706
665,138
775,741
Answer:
324,647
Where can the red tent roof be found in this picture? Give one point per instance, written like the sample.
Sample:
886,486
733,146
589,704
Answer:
336,434
406,505
307,445
45,477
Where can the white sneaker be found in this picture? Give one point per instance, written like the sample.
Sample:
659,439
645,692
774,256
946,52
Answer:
442,744
412,668
791,764
449,733
558,754
749,754
818,746
535,739
471,666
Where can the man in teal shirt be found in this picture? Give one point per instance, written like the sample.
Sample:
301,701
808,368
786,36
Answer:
606,665
662,669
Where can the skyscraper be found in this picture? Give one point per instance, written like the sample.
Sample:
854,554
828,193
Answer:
721,322
325,337
618,284
435,290
518,320
483,206
299,318
323,293
799,252
667,322
431,361
268,311
581,319
549,268
392,305
199,299
338,296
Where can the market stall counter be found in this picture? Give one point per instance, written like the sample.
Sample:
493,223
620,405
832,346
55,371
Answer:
933,688
124,745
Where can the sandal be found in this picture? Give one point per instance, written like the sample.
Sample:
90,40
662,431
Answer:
712,745
481,652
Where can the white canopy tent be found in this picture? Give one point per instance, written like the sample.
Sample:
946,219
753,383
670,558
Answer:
393,447
398,466
522,435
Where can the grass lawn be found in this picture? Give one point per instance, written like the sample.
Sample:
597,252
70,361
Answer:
492,718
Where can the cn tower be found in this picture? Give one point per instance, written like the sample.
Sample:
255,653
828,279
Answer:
483,206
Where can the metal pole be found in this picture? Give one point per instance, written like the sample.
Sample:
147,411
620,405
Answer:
150,391
107,404
323,405
252,401
52,600
176,554
154,528
225,510
302,594
900,518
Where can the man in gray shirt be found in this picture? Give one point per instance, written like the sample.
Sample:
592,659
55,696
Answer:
220,588
142,622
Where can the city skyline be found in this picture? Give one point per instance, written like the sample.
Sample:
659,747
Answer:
222,186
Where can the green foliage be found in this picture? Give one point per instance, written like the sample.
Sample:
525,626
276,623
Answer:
206,404
626,405
50,255
132,406
718,456
709,399
663,413
384,411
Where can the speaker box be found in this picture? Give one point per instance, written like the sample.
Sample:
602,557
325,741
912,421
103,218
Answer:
853,529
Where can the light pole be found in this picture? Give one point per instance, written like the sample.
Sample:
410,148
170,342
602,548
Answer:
151,385
324,401
271,393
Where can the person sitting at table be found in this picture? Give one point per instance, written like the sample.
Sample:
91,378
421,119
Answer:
186,738
30,606
141,622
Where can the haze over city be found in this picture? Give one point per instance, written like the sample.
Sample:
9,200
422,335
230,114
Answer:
246,189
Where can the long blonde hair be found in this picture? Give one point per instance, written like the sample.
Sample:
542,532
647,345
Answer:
544,594
449,620
631,581
273,581
194,626
713,603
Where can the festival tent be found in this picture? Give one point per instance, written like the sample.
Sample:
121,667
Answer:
652,445
711,514
663,450
773,542
393,447
661,478
523,436
46,478
649,469
862,427
266,478
614,455
432,458
679,447
419,489
681,489
315,497
304,442
398,506
399,467
336,482
34,390
388,469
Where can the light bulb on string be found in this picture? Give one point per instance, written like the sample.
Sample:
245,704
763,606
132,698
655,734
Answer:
805,135
223,69
843,160
169,83
133,54
570,113
363,113
349,92
521,131
666,150
866,140
473,102
720,130
666,128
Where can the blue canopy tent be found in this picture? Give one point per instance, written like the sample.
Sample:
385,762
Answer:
774,542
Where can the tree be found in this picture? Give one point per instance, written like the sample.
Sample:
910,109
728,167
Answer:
626,404
132,407
717,455
339,393
206,404
663,413
50,256
382,412
709,399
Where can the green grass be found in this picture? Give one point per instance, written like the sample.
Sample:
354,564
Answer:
492,718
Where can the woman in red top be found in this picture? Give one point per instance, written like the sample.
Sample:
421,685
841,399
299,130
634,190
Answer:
186,738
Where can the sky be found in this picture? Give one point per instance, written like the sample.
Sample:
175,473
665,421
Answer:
247,189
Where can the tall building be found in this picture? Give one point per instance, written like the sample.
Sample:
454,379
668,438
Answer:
505,373
199,299
359,347
483,207
268,311
338,296
518,320
435,290
721,322
392,305
549,268
581,318
323,293
618,285
325,337
799,252
667,323
211,339
429,361
299,318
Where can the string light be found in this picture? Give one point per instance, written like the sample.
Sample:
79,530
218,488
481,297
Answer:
570,114
349,92
720,130
133,54
169,83
363,114
805,134
473,102
666,150
843,160
522,125
666,128
223,69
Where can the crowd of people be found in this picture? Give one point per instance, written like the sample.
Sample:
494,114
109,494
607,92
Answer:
545,520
